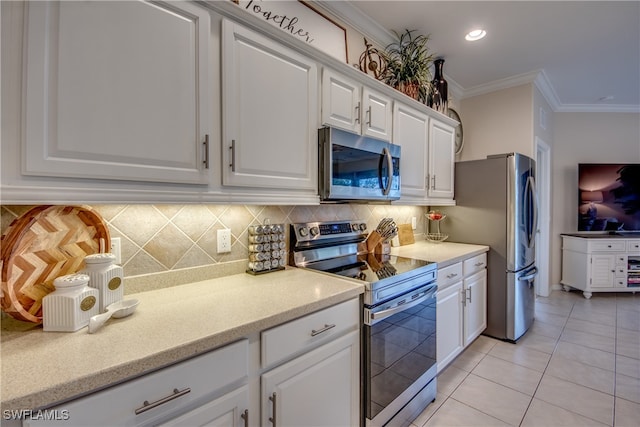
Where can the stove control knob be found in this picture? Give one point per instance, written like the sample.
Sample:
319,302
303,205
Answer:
303,231
363,226
315,231
355,227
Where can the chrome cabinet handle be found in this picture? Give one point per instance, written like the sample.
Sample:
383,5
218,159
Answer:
232,165
463,294
205,160
433,182
146,405
245,417
369,116
452,275
272,398
469,297
357,119
478,264
315,332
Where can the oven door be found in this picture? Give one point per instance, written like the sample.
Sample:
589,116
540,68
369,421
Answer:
354,167
399,343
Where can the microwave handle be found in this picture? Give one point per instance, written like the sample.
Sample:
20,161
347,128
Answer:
387,155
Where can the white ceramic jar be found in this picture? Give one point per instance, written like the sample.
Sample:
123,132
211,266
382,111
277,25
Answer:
106,277
70,306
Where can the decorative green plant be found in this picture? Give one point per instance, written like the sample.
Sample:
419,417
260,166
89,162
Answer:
408,63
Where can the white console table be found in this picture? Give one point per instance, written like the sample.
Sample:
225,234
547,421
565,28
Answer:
600,263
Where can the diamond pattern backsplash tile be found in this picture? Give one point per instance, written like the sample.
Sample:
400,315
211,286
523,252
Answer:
171,238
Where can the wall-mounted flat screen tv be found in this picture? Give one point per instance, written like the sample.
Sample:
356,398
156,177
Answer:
609,197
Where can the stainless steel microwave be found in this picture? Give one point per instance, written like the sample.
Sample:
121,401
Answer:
355,167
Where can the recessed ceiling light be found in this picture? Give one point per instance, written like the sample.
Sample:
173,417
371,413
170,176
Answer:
475,35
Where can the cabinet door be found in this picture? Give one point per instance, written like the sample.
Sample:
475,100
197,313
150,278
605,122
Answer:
376,115
319,388
270,113
602,271
410,131
441,159
341,102
449,324
229,410
475,310
117,90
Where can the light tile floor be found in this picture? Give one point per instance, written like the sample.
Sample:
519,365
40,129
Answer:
578,365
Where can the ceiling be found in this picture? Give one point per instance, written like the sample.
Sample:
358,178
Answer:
583,55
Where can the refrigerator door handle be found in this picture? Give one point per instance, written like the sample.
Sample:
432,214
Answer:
531,233
529,275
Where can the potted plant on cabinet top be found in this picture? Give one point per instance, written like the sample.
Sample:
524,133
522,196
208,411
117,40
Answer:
408,63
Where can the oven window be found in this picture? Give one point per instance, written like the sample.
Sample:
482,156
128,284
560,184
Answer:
399,349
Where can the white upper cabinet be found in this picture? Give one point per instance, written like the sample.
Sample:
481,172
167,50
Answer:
427,159
349,105
270,98
441,160
117,90
411,132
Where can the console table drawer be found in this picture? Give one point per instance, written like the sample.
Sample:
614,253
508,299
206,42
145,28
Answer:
608,246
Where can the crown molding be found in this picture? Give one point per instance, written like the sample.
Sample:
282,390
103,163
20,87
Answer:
360,22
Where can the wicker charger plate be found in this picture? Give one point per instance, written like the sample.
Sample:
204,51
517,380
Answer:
44,243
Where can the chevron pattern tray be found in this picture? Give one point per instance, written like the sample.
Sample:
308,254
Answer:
44,243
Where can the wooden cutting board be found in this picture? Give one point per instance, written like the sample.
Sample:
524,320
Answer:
44,243
405,234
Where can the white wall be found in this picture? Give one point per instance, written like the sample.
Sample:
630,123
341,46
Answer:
584,138
498,122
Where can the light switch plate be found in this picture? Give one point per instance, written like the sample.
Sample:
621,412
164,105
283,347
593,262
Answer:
414,222
224,240
116,249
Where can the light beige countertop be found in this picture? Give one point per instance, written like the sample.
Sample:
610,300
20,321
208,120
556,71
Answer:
444,253
171,324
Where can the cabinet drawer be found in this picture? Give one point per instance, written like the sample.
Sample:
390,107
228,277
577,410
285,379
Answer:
608,246
181,386
633,246
621,259
300,335
449,275
474,264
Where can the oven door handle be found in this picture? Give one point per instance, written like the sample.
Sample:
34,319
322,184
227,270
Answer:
376,317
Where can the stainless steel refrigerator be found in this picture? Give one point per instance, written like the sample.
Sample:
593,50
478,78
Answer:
496,205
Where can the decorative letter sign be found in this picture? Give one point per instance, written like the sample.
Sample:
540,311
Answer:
302,22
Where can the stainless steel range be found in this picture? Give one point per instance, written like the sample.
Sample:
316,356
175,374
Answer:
399,316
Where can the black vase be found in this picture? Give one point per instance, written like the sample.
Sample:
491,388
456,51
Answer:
439,96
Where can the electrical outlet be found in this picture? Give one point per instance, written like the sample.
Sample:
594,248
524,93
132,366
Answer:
224,240
414,223
116,249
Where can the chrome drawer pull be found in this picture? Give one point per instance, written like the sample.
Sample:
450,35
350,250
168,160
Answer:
478,264
452,275
315,332
176,394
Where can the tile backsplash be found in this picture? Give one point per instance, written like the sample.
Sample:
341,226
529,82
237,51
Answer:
164,245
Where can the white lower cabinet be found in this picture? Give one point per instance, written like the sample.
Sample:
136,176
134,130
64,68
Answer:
319,388
319,382
208,388
461,307
304,372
